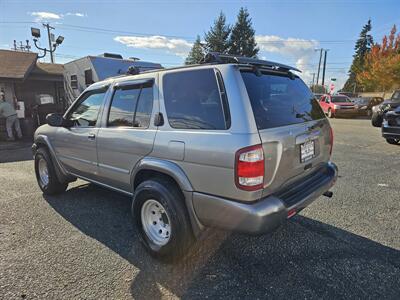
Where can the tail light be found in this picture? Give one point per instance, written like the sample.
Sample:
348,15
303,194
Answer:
330,140
249,171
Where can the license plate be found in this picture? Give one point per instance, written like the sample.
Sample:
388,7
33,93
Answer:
307,151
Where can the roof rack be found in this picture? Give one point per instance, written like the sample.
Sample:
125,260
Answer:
220,58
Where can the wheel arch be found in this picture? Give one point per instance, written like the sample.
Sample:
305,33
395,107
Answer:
42,141
149,168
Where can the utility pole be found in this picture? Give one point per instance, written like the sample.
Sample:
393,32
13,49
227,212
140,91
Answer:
48,27
313,78
324,68
319,64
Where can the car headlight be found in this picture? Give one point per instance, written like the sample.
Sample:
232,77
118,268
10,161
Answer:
336,106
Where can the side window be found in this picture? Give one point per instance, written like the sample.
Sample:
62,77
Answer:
86,111
327,99
131,106
193,100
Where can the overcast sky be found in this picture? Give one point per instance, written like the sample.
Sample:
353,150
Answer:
287,31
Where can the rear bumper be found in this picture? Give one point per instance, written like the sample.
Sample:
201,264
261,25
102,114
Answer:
346,112
268,213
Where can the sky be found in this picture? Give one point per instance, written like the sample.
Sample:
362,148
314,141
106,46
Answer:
287,31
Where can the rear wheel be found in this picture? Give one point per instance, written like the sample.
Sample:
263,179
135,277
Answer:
46,174
161,219
393,141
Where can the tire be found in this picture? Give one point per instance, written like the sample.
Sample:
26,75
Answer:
52,185
330,114
180,236
393,141
376,120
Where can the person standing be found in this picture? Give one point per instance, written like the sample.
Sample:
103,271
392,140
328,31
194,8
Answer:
8,112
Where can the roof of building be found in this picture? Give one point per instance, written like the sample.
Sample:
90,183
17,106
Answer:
15,64
48,69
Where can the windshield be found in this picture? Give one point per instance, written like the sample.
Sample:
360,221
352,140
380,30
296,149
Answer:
278,100
338,99
361,101
396,96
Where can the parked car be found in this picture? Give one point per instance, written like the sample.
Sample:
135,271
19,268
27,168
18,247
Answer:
391,126
364,104
235,143
379,110
337,106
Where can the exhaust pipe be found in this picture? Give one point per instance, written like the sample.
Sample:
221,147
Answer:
328,194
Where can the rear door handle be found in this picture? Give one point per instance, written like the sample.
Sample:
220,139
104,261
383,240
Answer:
91,136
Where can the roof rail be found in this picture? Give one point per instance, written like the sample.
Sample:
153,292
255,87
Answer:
220,58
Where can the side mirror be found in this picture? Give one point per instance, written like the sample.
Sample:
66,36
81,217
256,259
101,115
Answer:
56,120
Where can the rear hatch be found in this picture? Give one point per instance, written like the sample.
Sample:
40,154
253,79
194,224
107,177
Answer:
295,135
342,102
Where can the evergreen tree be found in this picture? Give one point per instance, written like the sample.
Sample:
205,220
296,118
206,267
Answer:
362,47
196,54
242,40
217,37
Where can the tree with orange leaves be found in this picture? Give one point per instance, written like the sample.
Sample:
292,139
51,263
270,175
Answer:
382,65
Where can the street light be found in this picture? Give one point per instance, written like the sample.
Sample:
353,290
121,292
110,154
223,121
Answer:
52,47
59,40
35,32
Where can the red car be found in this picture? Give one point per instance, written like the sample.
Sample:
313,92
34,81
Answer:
337,106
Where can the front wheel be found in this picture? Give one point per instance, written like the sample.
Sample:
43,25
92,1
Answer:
161,219
377,120
46,174
393,141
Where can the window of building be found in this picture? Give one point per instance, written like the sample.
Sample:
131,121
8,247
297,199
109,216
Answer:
74,81
88,77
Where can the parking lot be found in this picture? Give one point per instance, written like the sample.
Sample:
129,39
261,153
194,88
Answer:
81,245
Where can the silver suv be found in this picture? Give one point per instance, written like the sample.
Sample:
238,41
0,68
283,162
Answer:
234,143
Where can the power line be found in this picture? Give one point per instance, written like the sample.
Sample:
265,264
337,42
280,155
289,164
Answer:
113,31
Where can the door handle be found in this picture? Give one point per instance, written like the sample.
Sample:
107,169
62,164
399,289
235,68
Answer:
91,136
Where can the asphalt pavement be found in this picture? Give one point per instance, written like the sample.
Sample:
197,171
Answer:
81,244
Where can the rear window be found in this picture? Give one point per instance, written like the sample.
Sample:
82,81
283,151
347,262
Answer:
277,100
193,100
339,99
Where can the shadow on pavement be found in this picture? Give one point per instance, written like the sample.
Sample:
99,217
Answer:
305,258
15,151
